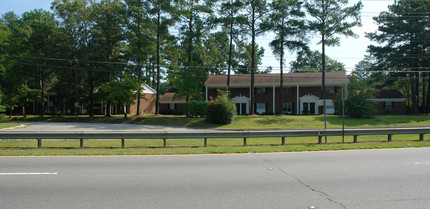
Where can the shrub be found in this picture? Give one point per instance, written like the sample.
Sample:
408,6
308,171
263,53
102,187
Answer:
195,109
221,110
358,105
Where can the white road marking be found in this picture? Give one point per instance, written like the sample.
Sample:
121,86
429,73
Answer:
19,174
422,163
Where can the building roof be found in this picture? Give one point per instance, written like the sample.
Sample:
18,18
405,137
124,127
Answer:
380,94
289,78
169,97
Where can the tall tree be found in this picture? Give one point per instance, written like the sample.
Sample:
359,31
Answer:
256,10
403,39
310,61
42,44
329,19
193,15
163,17
75,19
140,37
108,38
286,20
231,18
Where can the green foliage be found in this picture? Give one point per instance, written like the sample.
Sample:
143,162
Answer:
1,106
310,61
121,91
195,109
357,104
400,47
189,82
221,110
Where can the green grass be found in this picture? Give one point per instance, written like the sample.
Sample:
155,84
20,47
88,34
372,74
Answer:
247,122
8,125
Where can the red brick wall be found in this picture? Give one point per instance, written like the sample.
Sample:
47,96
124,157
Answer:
399,109
147,104
165,109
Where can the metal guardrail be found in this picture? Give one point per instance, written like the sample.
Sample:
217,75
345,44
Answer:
206,134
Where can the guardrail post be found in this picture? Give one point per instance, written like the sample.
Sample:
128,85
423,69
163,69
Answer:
122,143
81,143
206,142
421,137
164,142
355,138
39,143
283,140
389,137
244,142
319,139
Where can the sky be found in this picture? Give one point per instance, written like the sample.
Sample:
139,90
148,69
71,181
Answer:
350,52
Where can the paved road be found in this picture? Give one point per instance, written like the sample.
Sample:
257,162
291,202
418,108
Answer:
70,126
347,179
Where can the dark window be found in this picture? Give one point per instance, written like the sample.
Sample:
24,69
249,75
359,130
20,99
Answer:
388,105
329,89
287,91
260,90
172,106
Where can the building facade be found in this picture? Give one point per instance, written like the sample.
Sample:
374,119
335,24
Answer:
389,102
301,94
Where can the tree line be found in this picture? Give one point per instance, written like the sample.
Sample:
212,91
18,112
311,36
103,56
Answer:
98,51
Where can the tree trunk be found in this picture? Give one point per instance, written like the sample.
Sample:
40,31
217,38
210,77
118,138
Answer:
157,97
428,93
91,105
42,86
230,52
139,72
252,57
281,62
423,102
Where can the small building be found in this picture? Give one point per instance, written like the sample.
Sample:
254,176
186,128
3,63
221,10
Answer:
389,102
301,93
172,104
147,101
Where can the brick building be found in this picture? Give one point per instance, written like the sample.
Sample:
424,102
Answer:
301,92
389,102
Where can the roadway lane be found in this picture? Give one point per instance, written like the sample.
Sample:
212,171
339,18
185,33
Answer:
330,180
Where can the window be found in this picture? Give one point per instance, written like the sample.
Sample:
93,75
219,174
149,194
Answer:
388,105
172,106
260,90
287,108
260,108
329,90
287,91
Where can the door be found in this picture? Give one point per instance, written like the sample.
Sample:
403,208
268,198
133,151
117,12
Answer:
238,109
305,108
243,108
312,108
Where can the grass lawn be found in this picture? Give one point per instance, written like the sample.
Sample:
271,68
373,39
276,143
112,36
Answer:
247,122
8,125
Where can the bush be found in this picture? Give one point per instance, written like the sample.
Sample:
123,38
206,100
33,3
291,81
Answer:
358,105
221,110
195,109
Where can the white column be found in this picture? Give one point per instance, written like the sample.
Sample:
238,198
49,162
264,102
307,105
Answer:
274,101
297,103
